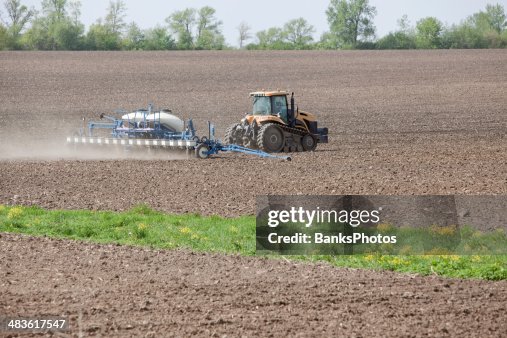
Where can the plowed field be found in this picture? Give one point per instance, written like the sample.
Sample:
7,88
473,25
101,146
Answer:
411,122
408,122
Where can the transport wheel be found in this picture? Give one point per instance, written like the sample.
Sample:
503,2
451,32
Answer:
309,142
202,151
271,138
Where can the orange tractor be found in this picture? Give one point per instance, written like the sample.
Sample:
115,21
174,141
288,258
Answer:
276,126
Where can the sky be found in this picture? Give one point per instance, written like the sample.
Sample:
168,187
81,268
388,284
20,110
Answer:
262,14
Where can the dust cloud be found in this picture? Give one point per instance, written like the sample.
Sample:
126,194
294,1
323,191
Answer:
58,149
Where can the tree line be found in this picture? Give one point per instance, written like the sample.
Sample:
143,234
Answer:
57,26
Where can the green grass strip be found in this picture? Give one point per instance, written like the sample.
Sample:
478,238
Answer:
146,227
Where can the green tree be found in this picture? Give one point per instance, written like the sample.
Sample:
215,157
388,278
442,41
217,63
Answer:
402,38
3,37
295,34
298,32
404,25
182,23
68,35
197,29
37,37
18,16
396,40
134,38
158,39
100,37
59,35
75,12
209,35
350,21
327,41
55,10
496,17
480,30
210,40
115,18
480,21
428,31
464,35
272,38
56,30
107,34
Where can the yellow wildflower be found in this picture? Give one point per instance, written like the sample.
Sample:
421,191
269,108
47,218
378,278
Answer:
185,230
15,212
384,227
369,257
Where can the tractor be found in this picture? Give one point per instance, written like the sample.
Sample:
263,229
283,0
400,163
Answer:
276,126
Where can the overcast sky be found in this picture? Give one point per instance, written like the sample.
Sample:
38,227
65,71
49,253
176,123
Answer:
262,14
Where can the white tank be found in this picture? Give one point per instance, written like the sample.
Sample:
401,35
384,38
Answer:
167,120
137,116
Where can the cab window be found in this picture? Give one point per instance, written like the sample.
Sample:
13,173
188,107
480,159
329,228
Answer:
280,107
261,105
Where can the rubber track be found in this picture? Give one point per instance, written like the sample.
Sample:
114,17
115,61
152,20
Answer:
291,130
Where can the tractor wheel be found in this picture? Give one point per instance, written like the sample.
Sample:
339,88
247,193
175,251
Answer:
202,151
309,142
270,138
231,135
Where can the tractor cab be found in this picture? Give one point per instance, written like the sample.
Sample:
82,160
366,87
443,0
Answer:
271,103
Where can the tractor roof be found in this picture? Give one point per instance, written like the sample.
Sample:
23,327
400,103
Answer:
270,93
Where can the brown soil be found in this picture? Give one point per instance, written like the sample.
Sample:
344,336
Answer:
408,122
124,291
411,122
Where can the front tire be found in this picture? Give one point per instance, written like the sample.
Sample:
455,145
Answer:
271,138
